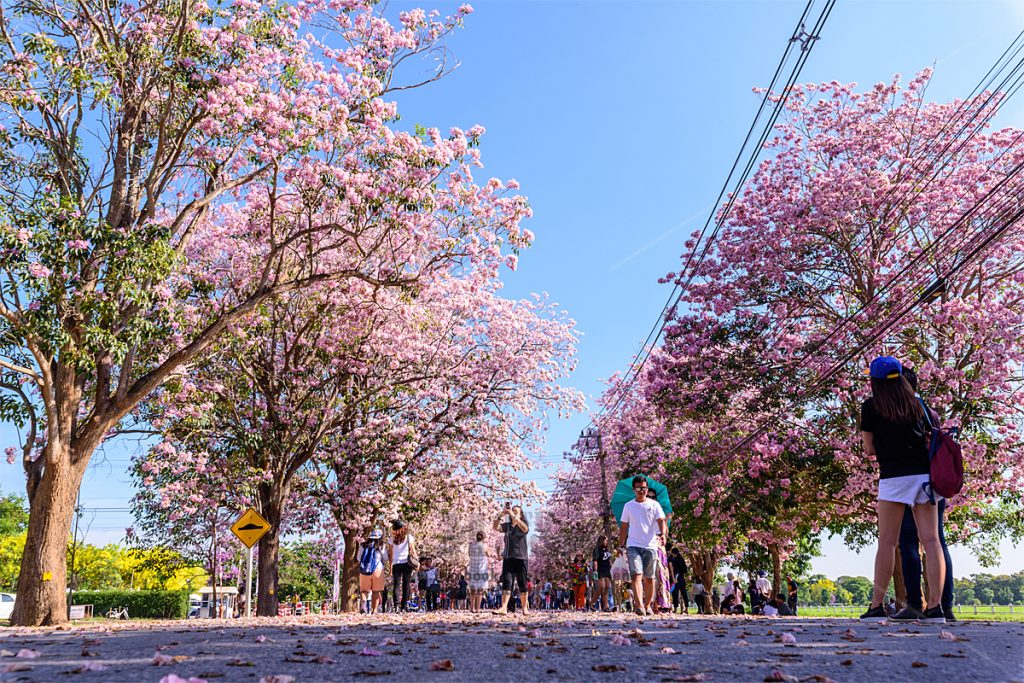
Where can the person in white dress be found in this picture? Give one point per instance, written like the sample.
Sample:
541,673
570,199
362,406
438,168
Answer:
479,571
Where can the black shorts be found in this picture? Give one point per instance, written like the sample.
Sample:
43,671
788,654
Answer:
604,575
513,570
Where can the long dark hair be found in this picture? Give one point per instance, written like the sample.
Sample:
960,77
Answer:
895,401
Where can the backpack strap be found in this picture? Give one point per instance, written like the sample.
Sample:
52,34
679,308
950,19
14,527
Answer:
927,486
927,413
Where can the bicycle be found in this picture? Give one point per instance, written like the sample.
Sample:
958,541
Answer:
118,613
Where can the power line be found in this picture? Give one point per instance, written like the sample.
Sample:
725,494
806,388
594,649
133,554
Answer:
945,155
970,245
1009,213
874,300
807,41
983,85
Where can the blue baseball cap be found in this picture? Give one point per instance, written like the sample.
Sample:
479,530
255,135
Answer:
886,367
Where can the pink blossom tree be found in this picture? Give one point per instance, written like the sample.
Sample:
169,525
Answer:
455,421
138,140
868,201
442,389
749,409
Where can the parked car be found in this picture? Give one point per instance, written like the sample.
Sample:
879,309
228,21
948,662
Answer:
6,605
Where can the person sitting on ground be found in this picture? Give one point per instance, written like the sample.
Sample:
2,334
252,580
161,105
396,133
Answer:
738,607
781,607
770,609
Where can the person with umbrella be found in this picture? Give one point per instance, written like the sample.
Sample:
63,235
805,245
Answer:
640,522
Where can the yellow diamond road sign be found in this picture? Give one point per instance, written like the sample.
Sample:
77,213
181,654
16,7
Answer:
250,527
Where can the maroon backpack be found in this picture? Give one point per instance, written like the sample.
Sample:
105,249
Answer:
945,458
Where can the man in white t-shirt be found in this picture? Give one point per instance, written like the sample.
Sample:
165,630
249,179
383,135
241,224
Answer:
642,522
764,586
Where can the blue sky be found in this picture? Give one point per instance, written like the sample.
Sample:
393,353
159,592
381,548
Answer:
620,121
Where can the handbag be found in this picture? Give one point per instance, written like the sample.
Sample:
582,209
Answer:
620,569
414,555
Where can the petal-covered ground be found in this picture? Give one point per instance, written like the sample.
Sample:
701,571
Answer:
544,646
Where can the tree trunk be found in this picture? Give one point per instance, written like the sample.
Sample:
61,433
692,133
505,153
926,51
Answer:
350,574
42,581
269,546
924,578
899,586
704,566
776,570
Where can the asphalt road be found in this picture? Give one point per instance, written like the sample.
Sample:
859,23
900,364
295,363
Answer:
464,647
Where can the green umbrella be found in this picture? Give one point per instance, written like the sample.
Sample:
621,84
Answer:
624,493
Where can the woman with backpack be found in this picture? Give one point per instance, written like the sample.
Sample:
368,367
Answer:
404,561
371,573
910,553
894,431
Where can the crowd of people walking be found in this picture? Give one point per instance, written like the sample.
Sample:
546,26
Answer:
640,577
646,577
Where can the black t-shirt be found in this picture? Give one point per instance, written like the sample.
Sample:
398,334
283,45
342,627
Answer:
678,564
901,450
515,542
603,557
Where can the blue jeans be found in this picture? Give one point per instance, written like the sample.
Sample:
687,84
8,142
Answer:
910,559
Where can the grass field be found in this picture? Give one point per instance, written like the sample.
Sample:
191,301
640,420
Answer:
981,612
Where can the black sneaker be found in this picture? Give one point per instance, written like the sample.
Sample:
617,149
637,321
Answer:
874,614
948,613
908,613
934,616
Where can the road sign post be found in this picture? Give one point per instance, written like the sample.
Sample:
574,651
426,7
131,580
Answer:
249,528
248,587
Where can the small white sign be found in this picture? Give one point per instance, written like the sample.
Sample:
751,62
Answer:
78,611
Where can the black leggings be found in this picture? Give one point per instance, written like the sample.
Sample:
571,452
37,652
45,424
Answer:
680,592
513,571
401,572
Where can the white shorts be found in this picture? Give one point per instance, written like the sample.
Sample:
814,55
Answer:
909,490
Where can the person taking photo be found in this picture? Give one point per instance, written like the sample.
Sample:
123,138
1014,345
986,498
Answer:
514,528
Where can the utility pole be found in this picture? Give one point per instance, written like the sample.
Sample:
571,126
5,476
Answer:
607,514
590,444
74,546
